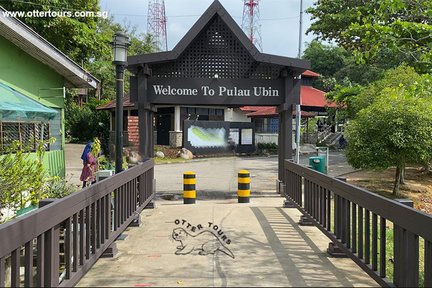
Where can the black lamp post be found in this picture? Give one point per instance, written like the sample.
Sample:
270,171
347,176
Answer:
120,46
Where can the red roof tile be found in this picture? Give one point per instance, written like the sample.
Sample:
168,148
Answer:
309,96
271,112
310,74
112,104
313,97
252,108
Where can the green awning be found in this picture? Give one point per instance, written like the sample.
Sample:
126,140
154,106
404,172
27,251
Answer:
15,106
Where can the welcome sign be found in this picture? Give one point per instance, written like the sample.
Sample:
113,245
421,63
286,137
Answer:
227,92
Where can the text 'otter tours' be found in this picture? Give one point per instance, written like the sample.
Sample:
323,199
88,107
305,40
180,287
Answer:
205,239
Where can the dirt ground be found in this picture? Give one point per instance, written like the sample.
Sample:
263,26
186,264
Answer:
417,187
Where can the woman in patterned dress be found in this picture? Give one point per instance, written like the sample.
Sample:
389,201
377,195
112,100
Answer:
88,173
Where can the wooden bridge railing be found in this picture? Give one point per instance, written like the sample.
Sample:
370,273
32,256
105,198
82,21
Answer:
381,235
57,244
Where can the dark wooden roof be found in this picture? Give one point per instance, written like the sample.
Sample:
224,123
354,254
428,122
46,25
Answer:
217,28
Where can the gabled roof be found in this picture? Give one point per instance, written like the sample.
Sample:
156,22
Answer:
309,73
310,98
36,46
217,10
112,104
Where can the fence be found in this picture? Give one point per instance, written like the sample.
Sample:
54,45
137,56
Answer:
57,244
389,250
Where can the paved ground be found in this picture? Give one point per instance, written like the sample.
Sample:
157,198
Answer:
269,248
73,163
217,177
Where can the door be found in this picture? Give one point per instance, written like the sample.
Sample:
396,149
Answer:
163,128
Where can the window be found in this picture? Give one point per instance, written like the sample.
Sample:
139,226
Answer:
27,133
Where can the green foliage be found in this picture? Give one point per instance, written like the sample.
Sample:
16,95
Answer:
96,147
378,31
393,126
102,67
56,187
85,123
76,37
21,177
24,181
326,60
271,148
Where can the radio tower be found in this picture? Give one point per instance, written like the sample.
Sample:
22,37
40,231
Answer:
251,22
156,23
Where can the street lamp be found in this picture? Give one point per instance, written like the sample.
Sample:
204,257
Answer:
120,46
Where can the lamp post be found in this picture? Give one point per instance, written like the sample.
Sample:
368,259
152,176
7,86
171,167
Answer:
120,46
298,106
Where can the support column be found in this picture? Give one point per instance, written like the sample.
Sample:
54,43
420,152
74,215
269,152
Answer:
285,141
177,126
175,137
145,115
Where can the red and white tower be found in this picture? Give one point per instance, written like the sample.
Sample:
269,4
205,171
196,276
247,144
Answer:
156,23
251,22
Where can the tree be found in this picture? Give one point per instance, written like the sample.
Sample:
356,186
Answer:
326,60
338,68
394,126
102,67
77,37
398,29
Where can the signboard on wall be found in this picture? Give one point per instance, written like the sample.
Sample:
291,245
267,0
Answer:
226,92
206,137
215,137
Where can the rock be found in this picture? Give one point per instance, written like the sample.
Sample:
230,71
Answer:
186,154
160,154
132,157
132,160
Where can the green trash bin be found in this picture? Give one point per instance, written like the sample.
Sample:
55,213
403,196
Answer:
318,163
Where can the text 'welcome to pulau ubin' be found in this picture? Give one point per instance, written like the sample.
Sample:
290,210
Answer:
261,91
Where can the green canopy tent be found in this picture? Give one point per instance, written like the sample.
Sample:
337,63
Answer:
15,106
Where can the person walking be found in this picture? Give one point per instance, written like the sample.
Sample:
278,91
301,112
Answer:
88,173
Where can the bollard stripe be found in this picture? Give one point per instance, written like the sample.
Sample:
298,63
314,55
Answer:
189,176
244,175
189,187
189,194
243,186
244,180
189,181
243,193
243,200
189,201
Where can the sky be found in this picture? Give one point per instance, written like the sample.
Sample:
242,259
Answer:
279,20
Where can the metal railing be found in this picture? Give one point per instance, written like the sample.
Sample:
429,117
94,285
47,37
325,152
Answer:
379,234
58,243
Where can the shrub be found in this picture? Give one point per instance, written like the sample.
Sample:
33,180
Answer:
85,123
271,148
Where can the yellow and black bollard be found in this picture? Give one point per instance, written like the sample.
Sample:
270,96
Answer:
189,189
243,192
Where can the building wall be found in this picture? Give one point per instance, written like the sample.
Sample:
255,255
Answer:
38,81
236,115
29,76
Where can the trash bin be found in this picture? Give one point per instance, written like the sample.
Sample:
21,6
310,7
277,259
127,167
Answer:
318,163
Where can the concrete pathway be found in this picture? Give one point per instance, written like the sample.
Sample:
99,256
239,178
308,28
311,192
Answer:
73,163
269,247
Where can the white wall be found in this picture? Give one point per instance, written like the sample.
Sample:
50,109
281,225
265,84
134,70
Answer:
271,138
236,115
